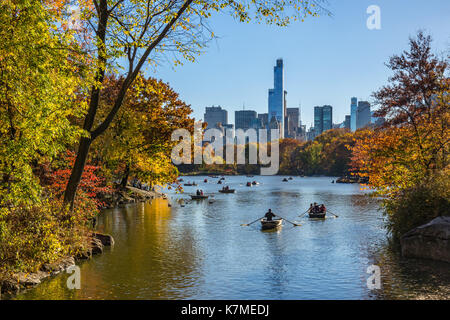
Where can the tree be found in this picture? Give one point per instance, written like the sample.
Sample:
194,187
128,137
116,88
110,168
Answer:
406,161
137,31
38,83
139,138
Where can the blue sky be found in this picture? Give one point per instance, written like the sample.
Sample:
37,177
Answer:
327,59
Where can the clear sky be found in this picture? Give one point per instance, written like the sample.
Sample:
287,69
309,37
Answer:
327,59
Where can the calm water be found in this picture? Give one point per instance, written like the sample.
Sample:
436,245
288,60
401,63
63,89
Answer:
200,251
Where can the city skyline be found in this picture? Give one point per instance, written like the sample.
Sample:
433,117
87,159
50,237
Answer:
322,64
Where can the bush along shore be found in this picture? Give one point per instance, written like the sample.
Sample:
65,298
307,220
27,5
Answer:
15,282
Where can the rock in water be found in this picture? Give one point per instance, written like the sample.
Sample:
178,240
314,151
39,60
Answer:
429,241
106,239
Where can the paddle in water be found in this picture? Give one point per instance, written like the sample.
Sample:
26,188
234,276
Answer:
304,213
333,214
247,224
295,224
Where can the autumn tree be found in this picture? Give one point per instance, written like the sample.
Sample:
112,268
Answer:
123,35
138,141
38,84
406,161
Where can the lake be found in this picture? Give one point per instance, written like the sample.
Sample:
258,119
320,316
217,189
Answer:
201,251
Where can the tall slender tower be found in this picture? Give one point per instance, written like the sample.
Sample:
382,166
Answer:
277,96
353,111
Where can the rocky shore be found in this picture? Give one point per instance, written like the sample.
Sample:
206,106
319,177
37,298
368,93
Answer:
128,195
22,281
351,179
429,241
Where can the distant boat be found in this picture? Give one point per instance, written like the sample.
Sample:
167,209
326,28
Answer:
255,183
285,180
199,197
190,184
290,178
206,180
219,182
249,184
227,191
266,225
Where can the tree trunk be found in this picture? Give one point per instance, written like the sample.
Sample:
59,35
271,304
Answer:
124,182
77,171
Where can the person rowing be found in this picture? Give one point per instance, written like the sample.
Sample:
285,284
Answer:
269,215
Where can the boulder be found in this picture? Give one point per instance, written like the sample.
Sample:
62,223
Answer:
429,241
96,246
105,239
59,266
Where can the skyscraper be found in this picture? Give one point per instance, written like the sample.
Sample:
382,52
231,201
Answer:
277,96
363,114
327,120
318,119
264,118
215,115
347,122
323,119
353,110
292,122
245,119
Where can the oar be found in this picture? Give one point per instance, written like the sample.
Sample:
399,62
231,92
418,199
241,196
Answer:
333,214
295,224
247,224
304,213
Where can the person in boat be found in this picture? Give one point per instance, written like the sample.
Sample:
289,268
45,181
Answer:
198,192
269,215
201,192
322,209
311,208
316,207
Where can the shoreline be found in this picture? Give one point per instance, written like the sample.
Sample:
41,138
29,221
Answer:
22,281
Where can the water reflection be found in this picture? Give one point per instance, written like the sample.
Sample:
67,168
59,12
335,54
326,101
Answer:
200,251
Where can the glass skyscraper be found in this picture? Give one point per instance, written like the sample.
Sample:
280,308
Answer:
353,112
323,119
277,97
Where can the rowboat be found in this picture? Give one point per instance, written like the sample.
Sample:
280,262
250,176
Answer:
249,184
317,215
266,225
195,197
227,191
285,180
255,183
190,184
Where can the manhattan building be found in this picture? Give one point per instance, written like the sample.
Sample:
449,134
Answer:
215,116
353,111
245,119
323,119
363,114
277,98
292,122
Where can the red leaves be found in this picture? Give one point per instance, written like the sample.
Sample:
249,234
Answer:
91,185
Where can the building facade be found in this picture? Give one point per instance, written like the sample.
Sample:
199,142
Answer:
363,114
245,119
323,119
292,122
215,115
353,111
277,97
